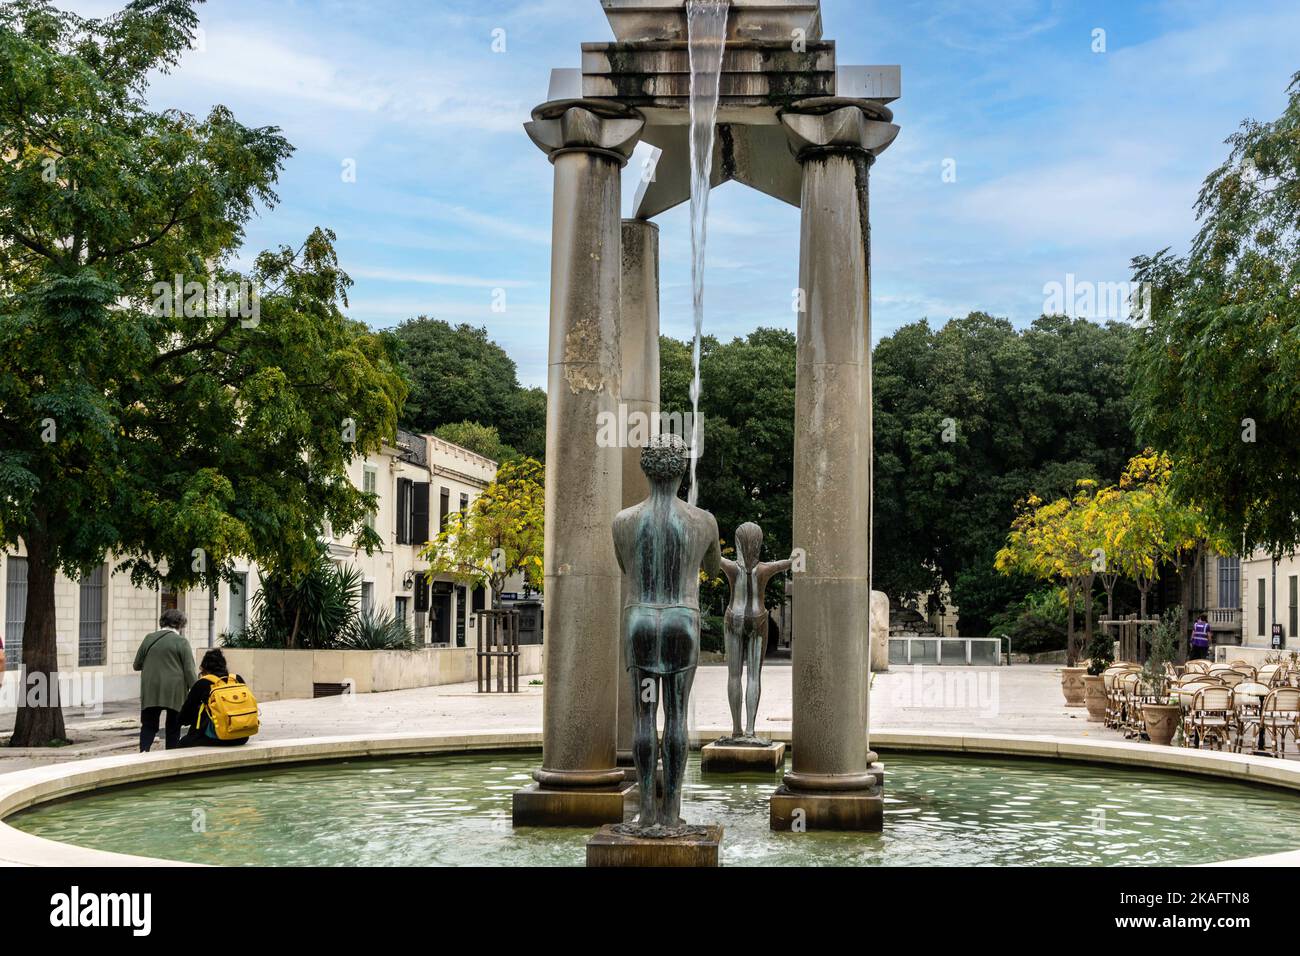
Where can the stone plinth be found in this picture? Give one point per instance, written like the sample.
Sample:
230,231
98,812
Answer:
639,21
719,757
798,812
537,806
611,848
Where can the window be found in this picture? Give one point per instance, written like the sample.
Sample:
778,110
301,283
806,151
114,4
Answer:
171,599
401,608
404,510
238,621
1263,623
370,485
15,610
1291,627
1229,582
90,635
444,506
367,596
464,503
462,596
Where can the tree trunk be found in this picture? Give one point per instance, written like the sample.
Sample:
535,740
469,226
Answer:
40,717
1071,655
1087,614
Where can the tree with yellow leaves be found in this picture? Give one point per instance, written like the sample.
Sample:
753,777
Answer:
500,534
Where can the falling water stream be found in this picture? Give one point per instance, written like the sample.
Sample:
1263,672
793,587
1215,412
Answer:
706,22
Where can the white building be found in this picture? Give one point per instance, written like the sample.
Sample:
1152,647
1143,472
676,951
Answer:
1270,595
103,617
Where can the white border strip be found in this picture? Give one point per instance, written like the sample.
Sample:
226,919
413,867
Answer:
27,788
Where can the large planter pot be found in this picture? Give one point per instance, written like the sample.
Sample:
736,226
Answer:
1161,721
1072,685
1094,696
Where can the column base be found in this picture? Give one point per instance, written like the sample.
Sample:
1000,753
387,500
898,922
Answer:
538,806
610,848
719,757
792,811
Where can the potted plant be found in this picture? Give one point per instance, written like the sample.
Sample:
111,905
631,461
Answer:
1101,654
1162,715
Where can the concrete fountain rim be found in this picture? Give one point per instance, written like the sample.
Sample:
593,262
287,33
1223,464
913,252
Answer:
22,789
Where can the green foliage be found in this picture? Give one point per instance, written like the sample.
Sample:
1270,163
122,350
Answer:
483,440
1162,645
712,638
457,374
377,630
1032,410
747,404
501,534
315,610
177,438
1100,652
1215,371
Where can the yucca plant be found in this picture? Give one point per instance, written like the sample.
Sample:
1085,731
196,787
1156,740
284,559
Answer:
377,630
313,612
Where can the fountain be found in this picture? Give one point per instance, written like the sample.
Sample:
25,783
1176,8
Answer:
724,89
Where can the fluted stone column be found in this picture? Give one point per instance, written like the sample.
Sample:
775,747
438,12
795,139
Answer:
588,142
640,339
831,783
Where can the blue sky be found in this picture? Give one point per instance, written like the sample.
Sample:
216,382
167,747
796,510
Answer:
1067,161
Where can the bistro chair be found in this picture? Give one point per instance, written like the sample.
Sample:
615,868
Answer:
1278,717
1197,667
1233,678
1212,719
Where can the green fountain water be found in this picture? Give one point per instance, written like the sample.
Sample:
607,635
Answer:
455,810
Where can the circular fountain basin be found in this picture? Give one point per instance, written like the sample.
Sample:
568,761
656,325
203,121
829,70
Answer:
953,801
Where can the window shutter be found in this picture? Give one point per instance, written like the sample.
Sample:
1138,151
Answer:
420,512
421,594
404,510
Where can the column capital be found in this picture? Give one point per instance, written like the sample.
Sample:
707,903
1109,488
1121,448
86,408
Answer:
587,126
832,124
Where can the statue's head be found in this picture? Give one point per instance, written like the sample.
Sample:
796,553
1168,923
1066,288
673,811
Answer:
665,459
749,544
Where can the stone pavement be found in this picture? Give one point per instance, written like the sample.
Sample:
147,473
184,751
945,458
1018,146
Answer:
1022,699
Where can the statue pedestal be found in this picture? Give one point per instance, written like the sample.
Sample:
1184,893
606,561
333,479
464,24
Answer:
798,811
719,757
610,848
537,806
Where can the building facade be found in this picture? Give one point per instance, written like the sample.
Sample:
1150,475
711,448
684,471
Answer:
103,617
1270,598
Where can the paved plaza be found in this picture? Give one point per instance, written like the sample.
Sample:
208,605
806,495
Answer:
1023,699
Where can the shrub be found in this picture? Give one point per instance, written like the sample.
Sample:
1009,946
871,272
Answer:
377,631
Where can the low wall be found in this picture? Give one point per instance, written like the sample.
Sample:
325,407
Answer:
280,675
1254,656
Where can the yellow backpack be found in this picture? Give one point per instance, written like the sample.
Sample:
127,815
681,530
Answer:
231,707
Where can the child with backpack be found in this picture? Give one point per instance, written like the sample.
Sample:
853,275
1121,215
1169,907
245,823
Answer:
220,710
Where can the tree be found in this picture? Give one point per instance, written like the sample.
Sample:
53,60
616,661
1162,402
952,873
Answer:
501,534
458,374
972,417
747,405
1215,369
152,406
483,440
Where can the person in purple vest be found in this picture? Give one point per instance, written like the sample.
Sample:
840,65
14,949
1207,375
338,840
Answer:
1200,638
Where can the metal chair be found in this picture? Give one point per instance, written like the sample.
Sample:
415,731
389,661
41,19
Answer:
1278,716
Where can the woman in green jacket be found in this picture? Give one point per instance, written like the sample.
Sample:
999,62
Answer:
166,663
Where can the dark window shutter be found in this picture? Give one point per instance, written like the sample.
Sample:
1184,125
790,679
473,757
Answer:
421,594
480,602
420,512
444,506
404,510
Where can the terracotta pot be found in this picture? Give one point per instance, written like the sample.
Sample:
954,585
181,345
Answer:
1094,695
1161,721
1072,685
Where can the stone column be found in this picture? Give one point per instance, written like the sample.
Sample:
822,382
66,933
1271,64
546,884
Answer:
832,783
588,142
640,339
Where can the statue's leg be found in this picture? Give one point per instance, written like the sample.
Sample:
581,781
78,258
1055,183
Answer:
754,647
645,694
677,692
735,663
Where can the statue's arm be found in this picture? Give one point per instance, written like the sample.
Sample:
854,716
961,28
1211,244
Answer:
729,569
713,557
770,569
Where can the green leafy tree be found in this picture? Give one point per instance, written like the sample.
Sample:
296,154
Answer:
971,418
174,432
1215,369
501,534
483,440
458,374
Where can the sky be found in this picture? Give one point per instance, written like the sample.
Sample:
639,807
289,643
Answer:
1043,141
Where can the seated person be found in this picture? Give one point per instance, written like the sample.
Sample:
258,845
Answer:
194,714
